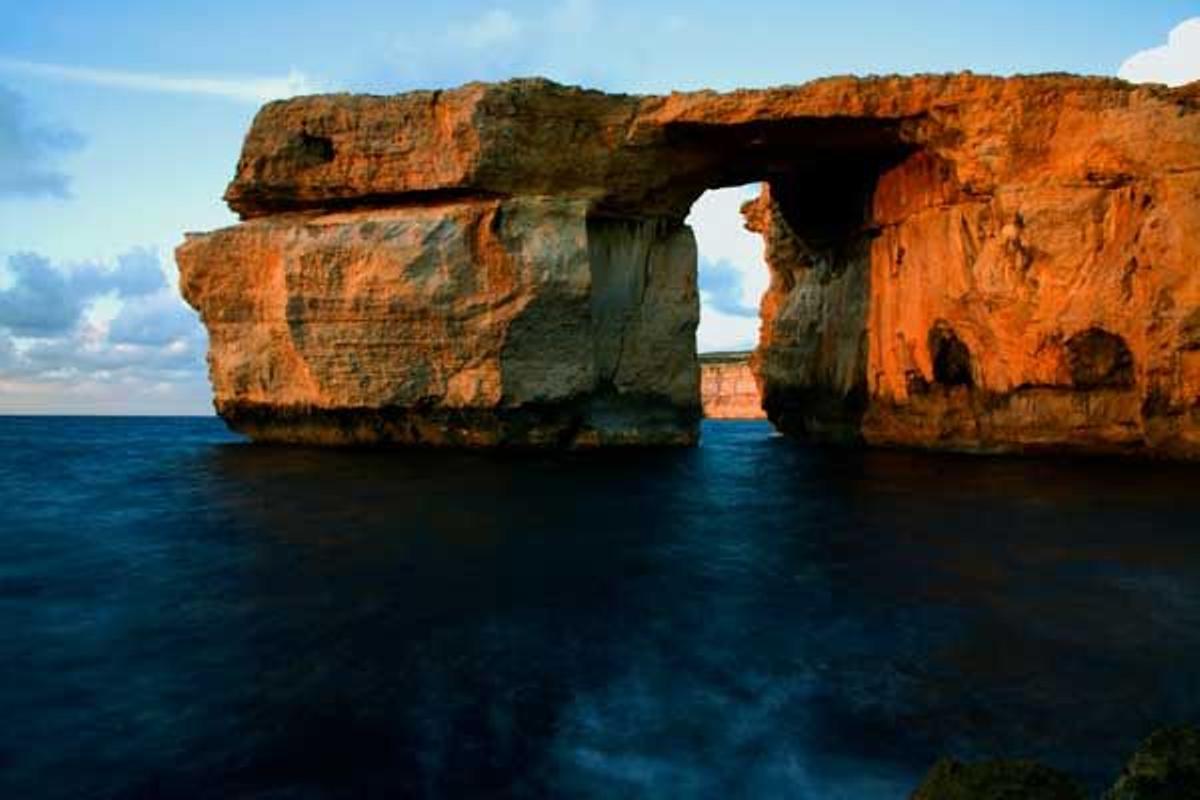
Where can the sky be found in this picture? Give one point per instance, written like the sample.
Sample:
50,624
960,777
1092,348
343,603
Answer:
121,123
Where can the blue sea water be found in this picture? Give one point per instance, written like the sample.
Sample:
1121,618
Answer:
185,615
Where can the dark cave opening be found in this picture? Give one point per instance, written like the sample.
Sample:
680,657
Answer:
950,356
1099,359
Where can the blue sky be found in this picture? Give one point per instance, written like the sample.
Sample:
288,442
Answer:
120,124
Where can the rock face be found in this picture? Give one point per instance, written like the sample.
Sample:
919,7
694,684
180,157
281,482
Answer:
996,780
728,389
956,261
1166,765
474,323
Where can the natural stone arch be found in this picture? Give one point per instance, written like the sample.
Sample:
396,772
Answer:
513,266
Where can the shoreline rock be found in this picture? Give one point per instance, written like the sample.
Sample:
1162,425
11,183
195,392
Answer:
996,780
957,262
1166,766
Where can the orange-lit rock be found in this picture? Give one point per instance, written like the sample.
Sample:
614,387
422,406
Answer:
1027,279
728,389
471,323
956,261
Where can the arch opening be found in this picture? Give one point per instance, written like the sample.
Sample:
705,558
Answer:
815,215
732,279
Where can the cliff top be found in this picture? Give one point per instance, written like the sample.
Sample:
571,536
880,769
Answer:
634,154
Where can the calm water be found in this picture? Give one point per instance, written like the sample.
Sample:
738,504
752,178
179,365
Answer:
183,615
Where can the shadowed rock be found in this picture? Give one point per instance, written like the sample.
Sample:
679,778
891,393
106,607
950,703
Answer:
1165,767
996,780
950,357
1099,359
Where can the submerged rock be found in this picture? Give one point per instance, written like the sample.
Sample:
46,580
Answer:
996,780
1165,767
956,261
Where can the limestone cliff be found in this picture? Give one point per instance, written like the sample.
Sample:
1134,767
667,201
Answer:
728,388
956,261
1025,279
477,322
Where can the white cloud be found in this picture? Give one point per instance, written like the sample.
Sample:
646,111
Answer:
719,332
160,319
733,272
495,27
245,89
114,394
40,299
94,337
720,233
1175,63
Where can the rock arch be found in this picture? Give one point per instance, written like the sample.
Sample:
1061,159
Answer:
508,263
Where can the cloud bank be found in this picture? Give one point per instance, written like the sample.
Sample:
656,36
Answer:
1175,63
720,284
44,301
244,89
27,150
92,337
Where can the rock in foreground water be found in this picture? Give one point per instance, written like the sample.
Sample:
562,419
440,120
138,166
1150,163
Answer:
1165,767
996,780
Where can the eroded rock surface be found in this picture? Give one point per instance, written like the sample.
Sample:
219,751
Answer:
956,261
478,322
728,388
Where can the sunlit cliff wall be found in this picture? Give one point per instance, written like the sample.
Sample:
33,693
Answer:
956,262
728,388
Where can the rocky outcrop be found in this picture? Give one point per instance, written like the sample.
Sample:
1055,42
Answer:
728,389
996,780
956,261
1166,765
478,322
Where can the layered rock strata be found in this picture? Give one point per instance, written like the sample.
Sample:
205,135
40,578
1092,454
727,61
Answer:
728,388
956,261
478,322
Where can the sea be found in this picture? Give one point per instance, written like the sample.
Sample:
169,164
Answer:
186,615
